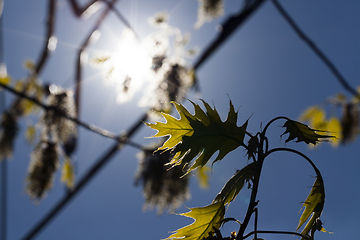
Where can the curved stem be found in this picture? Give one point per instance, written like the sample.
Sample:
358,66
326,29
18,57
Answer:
298,153
271,121
272,232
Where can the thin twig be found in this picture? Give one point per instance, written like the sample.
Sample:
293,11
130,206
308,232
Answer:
228,27
99,164
78,11
78,78
90,127
44,56
121,18
316,50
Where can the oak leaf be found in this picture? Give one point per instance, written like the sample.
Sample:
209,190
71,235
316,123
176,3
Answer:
232,188
313,207
200,135
303,133
206,219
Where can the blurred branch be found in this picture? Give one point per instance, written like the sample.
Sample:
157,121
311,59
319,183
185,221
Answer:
121,17
50,28
78,11
90,127
99,164
316,50
228,27
79,58
50,23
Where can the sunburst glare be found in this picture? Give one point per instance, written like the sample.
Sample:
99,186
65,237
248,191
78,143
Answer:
127,67
131,64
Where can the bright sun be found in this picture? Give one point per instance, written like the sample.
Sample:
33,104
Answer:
130,63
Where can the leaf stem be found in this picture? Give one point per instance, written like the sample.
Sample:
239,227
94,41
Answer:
298,153
253,202
270,122
272,232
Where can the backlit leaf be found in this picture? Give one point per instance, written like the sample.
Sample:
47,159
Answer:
200,135
67,173
303,133
203,176
206,219
334,127
29,64
5,79
315,116
30,133
235,184
313,206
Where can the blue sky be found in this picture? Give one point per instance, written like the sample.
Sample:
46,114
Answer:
264,68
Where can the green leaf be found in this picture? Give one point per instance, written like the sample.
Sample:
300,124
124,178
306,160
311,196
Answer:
303,133
68,173
232,188
334,126
200,135
203,177
315,115
30,133
313,206
206,219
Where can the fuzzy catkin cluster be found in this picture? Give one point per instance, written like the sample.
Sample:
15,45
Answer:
208,10
53,123
9,129
44,162
162,187
56,131
350,123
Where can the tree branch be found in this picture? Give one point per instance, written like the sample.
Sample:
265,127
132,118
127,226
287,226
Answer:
99,164
50,28
229,26
90,127
85,44
79,11
316,50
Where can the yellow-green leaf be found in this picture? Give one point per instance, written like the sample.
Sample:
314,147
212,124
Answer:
30,133
29,64
5,79
313,206
203,176
334,127
315,116
235,184
67,173
303,133
200,135
205,220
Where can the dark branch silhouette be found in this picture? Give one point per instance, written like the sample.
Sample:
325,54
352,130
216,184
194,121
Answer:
228,27
44,56
316,50
99,164
90,127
